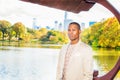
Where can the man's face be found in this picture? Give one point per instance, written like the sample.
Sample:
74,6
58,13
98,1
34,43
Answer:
73,32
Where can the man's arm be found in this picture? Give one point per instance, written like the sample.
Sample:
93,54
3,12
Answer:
88,64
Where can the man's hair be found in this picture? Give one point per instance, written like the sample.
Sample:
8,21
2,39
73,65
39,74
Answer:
76,24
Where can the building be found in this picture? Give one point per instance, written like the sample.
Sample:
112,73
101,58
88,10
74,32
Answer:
35,26
66,21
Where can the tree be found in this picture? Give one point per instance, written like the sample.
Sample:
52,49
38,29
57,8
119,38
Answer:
43,31
31,31
53,36
40,33
103,34
10,33
19,29
4,25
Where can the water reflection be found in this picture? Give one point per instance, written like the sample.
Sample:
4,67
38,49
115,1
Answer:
23,63
28,63
105,63
105,60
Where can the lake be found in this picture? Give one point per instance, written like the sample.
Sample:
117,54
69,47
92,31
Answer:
25,63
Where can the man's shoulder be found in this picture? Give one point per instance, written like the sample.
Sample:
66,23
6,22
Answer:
63,49
84,45
64,46
86,49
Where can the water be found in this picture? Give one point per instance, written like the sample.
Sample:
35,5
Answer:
23,63
28,63
105,60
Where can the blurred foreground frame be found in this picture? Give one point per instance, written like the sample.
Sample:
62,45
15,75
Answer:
76,6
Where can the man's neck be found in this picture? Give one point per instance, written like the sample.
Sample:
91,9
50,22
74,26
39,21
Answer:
74,41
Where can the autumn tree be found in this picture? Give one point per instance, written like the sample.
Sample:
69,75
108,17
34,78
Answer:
4,26
40,33
53,36
10,33
103,34
19,29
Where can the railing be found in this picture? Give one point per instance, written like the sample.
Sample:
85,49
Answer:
110,75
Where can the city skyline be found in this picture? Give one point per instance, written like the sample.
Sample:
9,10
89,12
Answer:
16,11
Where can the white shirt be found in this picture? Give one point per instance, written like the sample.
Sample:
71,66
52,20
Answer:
79,65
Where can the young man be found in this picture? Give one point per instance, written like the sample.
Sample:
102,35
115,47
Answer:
75,58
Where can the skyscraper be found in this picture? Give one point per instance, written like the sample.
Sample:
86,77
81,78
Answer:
66,21
34,24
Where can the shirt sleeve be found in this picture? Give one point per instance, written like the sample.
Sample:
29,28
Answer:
88,65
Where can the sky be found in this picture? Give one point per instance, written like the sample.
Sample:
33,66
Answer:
19,11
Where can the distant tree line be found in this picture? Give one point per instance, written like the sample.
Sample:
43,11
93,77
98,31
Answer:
19,32
102,34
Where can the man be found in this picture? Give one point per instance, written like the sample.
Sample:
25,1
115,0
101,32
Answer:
75,58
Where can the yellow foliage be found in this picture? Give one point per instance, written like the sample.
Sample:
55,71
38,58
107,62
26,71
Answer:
104,34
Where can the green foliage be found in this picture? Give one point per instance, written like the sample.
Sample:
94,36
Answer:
40,33
18,31
19,28
31,31
54,37
103,34
4,26
10,33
